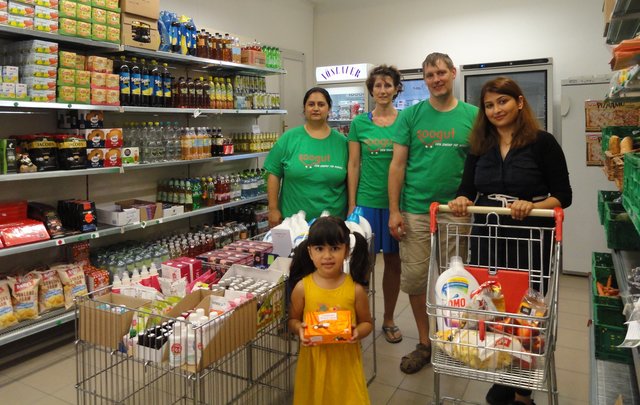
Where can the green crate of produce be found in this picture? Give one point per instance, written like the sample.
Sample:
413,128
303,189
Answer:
619,230
631,187
601,269
610,331
605,197
621,132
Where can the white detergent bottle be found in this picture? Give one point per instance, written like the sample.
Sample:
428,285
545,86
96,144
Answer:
453,289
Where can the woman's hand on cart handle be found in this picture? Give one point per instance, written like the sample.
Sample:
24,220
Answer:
396,225
459,206
520,209
536,212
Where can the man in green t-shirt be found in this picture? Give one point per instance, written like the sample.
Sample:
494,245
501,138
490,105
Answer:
429,150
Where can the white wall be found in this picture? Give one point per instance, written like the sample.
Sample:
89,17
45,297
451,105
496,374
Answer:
403,32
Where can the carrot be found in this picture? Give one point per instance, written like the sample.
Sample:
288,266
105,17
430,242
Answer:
609,280
600,287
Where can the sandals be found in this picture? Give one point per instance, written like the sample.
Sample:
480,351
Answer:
416,360
392,334
500,395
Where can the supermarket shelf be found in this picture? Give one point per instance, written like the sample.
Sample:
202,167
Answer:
73,42
609,379
44,322
57,174
197,111
53,106
201,62
623,261
216,159
625,21
106,230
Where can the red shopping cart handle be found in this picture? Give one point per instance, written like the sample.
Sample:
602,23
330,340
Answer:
556,213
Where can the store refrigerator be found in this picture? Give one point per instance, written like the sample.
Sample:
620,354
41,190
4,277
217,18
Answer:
534,76
348,90
583,233
414,89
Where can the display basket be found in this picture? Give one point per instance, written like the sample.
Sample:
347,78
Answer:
601,270
610,330
504,347
631,194
606,197
619,230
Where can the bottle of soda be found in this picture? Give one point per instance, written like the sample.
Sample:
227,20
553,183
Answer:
199,89
230,102
145,84
125,82
183,93
191,93
201,44
157,93
167,84
136,94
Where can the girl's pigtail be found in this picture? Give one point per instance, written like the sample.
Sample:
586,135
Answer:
301,264
359,260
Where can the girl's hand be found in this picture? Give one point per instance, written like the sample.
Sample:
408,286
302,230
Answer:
303,340
520,209
459,206
354,335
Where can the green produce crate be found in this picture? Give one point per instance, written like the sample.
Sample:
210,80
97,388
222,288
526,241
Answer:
619,230
610,331
631,187
621,132
605,197
601,269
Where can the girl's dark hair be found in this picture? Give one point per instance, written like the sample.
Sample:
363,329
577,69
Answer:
320,90
484,135
330,231
381,71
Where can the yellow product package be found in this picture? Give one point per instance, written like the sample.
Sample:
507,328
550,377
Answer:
73,282
24,296
50,295
7,316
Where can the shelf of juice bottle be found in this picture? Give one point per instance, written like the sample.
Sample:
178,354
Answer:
71,42
203,63
108,230
197,111
214,159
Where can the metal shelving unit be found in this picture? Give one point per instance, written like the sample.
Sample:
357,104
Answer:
625,21
107,230
9,32
31,327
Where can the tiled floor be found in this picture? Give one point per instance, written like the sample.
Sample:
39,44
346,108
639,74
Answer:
50,378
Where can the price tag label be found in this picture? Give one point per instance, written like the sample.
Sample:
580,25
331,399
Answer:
121,109
61,242
95,235
143,224
160,220
255,129
122,230
121,170
197,113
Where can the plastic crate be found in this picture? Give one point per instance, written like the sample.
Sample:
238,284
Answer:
610,331
621,132
601,269
631,187
620,233
605,197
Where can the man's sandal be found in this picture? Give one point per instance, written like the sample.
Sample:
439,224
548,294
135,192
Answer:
392,334
416,360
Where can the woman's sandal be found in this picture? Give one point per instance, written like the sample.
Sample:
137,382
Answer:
392,334
416,360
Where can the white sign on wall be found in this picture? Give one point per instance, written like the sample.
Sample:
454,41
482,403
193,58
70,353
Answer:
342,73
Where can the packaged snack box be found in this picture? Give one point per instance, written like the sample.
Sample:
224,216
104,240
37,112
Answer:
98,32
39,71
98,15
67,26
83,12
67,59
328,327
66,94
66,77
46,13
20,9
67,9
113,34
83,78
44,25
46,3
83,29
19,21
83,95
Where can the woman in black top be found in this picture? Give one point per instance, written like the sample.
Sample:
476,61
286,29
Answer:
512,163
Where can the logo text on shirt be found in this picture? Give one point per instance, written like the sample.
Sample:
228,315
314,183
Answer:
311,160
430,137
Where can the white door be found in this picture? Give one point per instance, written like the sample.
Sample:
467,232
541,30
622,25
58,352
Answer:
293,85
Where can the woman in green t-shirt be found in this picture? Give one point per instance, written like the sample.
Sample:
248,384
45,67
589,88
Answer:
308,165
370,153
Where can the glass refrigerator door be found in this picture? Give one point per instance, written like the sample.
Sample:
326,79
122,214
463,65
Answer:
348,102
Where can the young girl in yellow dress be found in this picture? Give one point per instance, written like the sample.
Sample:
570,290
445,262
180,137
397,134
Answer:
330,374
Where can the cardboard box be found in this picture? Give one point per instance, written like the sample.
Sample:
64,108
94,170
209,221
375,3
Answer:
140,32
41,24
328,327
172,210
182,267
103,327
600,114
131,156
272,304
148,210
230,330
110,214
143,8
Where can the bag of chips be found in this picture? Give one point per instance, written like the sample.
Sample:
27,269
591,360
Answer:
7,316
50,295
73,282
24,296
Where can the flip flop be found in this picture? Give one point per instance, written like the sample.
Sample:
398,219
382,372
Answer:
390,334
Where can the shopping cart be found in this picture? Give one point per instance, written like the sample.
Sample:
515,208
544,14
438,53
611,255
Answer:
504,347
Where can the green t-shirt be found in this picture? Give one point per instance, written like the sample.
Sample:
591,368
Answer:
313,172
438,146
376,151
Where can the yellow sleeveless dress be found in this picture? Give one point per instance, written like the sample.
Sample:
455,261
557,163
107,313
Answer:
330,374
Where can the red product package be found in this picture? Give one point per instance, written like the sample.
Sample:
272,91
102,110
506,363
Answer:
96,279
175,270
12,211
21,232
195,267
